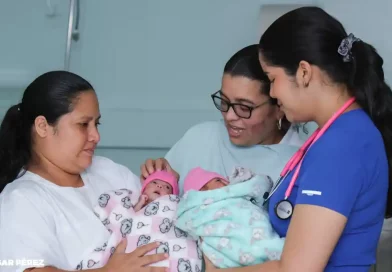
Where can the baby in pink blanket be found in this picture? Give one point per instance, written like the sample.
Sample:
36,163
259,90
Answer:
150,219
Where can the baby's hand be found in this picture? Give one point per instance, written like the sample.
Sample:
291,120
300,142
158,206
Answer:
142,201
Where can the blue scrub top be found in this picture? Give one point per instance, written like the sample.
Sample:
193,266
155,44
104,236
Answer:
349,167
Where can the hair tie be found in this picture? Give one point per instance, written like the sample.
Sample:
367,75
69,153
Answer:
345,47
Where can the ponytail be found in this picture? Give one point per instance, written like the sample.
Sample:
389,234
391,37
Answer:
367,84
50,95
15,145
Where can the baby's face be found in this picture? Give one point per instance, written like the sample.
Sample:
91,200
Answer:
213,184
156,189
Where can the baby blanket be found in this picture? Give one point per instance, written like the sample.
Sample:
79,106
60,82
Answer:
152,223
231,227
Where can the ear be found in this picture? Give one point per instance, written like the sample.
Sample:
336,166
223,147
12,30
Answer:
41,126
304,73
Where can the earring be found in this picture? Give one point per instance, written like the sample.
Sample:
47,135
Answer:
280,124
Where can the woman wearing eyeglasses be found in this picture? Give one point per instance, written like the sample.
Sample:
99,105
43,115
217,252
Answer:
253,133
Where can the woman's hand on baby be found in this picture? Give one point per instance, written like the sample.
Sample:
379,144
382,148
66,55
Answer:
150,166
136,260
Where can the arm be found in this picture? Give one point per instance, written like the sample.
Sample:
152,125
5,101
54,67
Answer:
140,204
319,220
311,238
121,261
26,232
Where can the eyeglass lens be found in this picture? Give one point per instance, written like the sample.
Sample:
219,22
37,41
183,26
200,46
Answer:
242,111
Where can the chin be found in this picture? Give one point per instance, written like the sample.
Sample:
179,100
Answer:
291,119
239,142
85,162
289,116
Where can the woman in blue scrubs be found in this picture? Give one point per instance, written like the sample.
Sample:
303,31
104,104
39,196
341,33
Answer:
331,206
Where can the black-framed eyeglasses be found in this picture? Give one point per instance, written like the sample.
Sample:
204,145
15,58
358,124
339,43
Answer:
241,110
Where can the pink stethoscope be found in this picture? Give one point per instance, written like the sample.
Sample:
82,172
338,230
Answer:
284,208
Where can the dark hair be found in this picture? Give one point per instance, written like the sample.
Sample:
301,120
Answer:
312,35
246,63
50,95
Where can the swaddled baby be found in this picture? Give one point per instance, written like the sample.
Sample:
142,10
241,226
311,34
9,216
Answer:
228,219
149,220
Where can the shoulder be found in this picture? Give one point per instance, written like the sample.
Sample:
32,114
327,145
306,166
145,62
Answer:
195,138
25,195
352,134
98,162
352,143
104,165
209,127
26,185
344,163
115,174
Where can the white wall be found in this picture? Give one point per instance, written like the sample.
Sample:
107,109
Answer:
154,63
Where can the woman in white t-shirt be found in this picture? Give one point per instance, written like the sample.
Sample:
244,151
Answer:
46,210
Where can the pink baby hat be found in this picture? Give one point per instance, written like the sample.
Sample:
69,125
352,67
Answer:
198,177
164,176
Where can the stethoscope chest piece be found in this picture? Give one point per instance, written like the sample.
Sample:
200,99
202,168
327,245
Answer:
284,209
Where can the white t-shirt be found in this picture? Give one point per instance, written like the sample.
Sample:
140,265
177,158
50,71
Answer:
208,145
43,221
